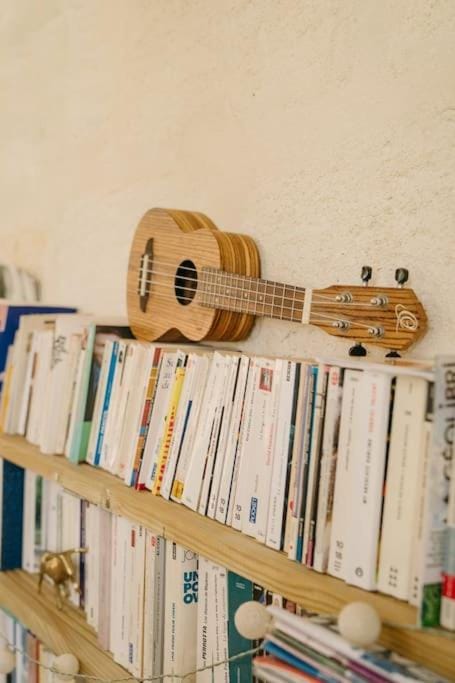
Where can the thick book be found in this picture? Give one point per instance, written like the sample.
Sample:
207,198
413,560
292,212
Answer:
240,590
437,496
366,478
339,535
405,452
180,611
282,451
11,511
155,555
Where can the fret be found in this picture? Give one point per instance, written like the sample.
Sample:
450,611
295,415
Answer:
282,302
254,296
256,299
293,303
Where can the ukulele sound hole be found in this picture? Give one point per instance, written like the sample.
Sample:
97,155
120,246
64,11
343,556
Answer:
186,282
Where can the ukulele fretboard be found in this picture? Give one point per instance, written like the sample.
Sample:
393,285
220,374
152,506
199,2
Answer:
243,294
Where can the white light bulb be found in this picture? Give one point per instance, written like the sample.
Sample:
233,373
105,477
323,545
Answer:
252,620
7,660
359,624
66,666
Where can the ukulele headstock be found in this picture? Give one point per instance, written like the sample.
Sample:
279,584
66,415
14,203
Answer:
390,317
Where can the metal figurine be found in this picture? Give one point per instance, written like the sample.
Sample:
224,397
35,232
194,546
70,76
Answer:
60,569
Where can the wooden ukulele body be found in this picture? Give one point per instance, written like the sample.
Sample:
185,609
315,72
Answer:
180,241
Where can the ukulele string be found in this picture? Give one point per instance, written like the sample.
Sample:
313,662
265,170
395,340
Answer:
250,291
349,322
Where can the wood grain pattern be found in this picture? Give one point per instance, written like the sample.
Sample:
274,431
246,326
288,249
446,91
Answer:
178,236
60,630
233,550
222,293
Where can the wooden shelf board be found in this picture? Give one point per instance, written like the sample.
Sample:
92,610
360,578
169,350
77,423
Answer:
234,550
61,631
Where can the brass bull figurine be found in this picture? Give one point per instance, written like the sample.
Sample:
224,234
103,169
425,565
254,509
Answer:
59,567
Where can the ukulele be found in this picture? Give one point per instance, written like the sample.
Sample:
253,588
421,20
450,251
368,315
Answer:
187,280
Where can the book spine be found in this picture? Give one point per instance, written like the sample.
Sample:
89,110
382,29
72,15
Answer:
405,453
180,612
239,590
145,419
328,469
415,580
438,493
100,380
281,456
168,428
447,617
105,403
233,442
315,462
341,503
231,397
367,479
12,510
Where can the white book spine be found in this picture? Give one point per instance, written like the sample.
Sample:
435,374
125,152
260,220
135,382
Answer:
415,579
221,672
243,481
328,469
405,452
196,414
216,447
180,612
229,400
260,497
232,446
281,447
195,473
341,502
204,630
136,624
365,494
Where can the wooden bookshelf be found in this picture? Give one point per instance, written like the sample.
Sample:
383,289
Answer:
60,630
235,551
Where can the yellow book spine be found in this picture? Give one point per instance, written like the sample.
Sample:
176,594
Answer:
168,429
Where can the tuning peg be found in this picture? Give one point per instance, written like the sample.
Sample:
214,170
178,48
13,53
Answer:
393,354
366,274
357,350
401,276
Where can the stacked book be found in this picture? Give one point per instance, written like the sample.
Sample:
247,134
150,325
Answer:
310,648
334,463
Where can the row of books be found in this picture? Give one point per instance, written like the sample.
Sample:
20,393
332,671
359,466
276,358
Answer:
156,606
161,609
33,659
335,464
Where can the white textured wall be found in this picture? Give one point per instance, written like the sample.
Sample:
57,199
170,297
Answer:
324,128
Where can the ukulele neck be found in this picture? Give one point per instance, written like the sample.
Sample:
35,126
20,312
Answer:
255,296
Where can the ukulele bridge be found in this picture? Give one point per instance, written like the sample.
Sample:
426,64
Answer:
144,277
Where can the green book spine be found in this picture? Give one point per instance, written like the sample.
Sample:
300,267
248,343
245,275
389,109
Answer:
240,590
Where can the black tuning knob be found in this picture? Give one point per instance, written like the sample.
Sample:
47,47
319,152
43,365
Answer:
393,354
401,276
366,274
358,350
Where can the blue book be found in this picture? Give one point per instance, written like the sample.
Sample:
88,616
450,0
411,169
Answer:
10,315
11,512
106,402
